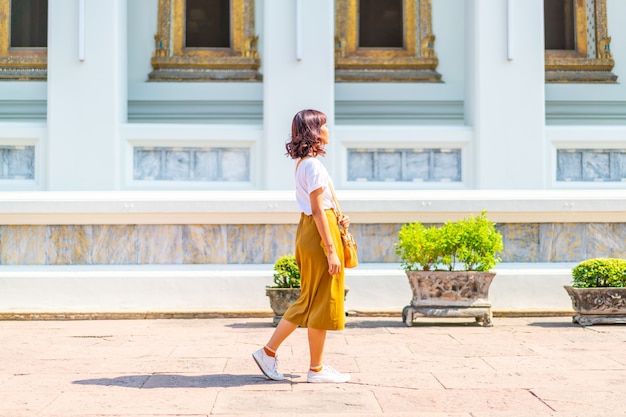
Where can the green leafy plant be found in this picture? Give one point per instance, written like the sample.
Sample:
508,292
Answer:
469,244
600,272
286,272
418,247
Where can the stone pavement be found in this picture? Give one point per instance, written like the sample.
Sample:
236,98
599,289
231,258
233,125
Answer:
543,366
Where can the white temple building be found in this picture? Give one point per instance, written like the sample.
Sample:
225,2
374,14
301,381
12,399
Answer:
142,160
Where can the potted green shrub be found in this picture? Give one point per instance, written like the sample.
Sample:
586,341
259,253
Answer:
448,268
598,291
286,288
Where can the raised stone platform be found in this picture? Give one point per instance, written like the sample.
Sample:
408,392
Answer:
188,290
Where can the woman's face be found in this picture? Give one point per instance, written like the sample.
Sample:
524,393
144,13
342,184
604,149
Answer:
324,134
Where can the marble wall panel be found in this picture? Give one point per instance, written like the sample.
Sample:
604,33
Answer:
596,165
113,244
360,166
280,239
177,164
405,165
159,244
618,165
23,245
147,164
19,162
417,166
69,245
389,166
204,244
569,166
254,244
605,240
376,242
561,242
206,166
590,165
446,166
246,244
520,242
235,165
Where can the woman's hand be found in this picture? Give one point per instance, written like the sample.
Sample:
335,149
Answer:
334,264
344,221
321,222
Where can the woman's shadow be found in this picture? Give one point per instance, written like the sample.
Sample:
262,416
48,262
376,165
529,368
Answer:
183,381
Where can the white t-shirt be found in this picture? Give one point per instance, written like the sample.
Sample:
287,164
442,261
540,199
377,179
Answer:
311,174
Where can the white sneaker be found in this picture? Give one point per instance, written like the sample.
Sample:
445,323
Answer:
267,365
327,374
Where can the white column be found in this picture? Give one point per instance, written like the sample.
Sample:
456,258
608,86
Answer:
87,99
505,98
291,84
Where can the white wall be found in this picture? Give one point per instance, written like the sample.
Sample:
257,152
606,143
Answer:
291,84
86,99
504,100
87,132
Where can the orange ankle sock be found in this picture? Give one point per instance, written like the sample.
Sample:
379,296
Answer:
269,352
316,368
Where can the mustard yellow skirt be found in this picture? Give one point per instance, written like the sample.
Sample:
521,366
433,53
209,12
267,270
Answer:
320,305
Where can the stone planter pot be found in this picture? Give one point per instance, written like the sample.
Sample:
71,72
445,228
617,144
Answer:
282,298
605,305
449,294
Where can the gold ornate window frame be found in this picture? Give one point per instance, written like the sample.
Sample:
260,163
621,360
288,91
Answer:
592,60
19,63
416,61
172,61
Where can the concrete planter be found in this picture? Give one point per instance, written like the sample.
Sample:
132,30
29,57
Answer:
605,305
280,300
449,294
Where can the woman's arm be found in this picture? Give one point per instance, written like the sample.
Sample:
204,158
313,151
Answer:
317,208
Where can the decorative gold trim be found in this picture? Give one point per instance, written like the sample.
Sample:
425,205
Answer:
172,61
564,67
19,63
417,61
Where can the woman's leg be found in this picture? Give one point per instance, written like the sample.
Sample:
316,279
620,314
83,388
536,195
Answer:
318,372
317,339
282,331
266,356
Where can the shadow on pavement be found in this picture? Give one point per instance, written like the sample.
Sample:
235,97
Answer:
251,325
553,324
357,323
182,381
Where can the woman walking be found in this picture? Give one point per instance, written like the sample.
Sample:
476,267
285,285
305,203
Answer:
319,254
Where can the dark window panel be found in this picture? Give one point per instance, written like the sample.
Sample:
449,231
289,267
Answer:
29,23
559,24
207,24
381,24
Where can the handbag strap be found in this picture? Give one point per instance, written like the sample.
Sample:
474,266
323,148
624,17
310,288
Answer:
332,191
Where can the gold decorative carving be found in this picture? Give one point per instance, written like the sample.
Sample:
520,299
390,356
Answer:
604,48
576,66
19,63
416,61
428,46
250,47
172,61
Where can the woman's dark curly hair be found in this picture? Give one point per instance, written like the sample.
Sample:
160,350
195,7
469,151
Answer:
305,134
